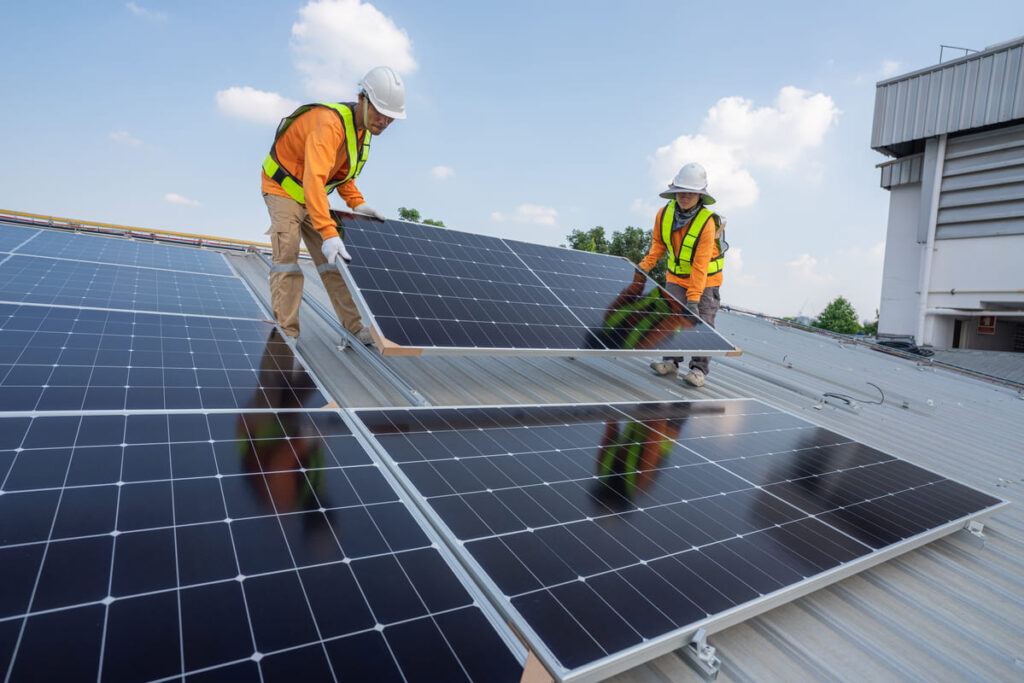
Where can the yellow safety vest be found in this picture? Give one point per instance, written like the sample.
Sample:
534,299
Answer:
682,263
356,156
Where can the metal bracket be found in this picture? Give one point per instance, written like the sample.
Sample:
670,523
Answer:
700,656
973,534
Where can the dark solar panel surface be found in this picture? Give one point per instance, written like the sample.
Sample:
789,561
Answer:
29,279
87,359
121,251
434,288
604,526
230,546
11,236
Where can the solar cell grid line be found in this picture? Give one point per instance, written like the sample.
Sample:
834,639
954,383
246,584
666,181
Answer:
609,533
125,252
30,279
253,545
439,291
86,359
12,236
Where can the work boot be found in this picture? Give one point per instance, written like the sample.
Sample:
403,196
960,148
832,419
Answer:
364,336
695,377
664,367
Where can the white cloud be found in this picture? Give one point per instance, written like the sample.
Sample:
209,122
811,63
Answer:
123,137
254,105
890,68
728,181
805,270
734,267
877,253
645,207
145,13
335,42
442,172
735,135
178,199
528,213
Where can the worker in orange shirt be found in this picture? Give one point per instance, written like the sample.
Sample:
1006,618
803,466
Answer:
692,237
318,148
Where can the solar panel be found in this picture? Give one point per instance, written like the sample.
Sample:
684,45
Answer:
126,252
87,359
608,534
30,279
250,546
12,236
434,290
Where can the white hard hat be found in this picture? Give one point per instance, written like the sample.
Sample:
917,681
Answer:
691,178
386,91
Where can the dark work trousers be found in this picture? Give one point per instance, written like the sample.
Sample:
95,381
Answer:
707,307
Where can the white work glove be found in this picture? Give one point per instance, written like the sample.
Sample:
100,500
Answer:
691,306
333,246
367,210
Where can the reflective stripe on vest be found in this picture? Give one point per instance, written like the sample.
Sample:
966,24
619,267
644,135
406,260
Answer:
293,185
680,264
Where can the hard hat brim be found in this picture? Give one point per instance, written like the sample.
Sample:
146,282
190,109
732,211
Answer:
670,193
391,114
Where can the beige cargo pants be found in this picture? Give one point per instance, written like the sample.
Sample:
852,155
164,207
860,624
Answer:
288,221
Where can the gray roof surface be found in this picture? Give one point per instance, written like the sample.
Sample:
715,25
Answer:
946,611
1005,364
981,89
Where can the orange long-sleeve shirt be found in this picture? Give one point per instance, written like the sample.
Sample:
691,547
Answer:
705,250
314,149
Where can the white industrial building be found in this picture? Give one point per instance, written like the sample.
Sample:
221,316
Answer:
954,260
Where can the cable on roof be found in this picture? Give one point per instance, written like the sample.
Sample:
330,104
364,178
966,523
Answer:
850,400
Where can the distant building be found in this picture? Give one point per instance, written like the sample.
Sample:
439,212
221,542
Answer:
954,255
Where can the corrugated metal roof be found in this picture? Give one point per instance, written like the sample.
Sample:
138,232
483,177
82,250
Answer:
978,90
1004,364
945,611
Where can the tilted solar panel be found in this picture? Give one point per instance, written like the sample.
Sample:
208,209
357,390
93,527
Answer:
12,236
31,279
88,359
125,252
252,546
433,290
608,534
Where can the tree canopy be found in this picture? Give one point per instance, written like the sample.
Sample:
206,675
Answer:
414,216
630,242
838,316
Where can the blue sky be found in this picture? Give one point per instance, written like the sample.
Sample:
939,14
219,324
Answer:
526,119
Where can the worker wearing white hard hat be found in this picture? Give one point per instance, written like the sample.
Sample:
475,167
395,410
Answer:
692,237
318,148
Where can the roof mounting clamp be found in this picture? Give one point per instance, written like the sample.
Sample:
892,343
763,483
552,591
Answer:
974,534
701,656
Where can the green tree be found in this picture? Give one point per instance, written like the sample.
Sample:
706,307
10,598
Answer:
413,216
591,240
630,242
838,316
409,214
871,327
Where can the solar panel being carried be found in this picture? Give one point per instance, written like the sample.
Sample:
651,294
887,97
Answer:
246,546
439,291
608,534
